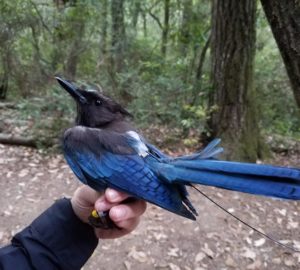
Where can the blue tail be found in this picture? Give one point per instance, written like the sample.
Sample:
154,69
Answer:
201,168
250,178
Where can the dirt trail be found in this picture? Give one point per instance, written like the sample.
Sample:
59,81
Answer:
31,181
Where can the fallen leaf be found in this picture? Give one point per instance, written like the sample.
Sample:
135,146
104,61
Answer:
297,256
139,256
281,211
296,244
199,257
127,265
160,236
289,262
23,173
208,251
260,242
254,265
292,224
173,252
276,260
248,253
279,220
105,247
249,240
173,266
7,213
230,262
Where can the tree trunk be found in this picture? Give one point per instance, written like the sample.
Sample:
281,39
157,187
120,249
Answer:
165,30
118,38
4,75
284,19
234,116
78,29
104,25
199,71
37,67
74,54
185,34
4,79
58,37
135,14
3,86
201,59
144,14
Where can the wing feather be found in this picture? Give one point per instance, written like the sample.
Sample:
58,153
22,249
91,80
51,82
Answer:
107,160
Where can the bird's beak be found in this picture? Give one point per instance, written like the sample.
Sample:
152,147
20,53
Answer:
72,90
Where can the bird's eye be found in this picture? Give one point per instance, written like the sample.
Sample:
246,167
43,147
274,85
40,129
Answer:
98,102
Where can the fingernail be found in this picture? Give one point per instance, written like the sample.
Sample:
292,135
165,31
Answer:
118,213
112,195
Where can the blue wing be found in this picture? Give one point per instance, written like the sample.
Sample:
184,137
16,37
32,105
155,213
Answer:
100,164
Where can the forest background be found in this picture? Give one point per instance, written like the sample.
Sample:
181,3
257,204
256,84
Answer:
187,70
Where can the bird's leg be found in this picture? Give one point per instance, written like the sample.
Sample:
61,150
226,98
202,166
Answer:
101,220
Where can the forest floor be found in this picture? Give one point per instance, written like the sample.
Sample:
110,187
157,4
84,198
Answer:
31,181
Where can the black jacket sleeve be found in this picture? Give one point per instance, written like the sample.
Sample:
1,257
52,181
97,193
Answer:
57,239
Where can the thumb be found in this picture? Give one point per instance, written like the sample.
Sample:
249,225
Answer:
83,201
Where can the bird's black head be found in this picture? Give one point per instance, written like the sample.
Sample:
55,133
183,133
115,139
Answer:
93,108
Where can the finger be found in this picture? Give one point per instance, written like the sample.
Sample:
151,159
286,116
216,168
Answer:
114,196
102,205
127,211
86,196
83,202
128,225
125,228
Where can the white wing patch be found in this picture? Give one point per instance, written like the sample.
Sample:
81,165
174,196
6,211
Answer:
139,146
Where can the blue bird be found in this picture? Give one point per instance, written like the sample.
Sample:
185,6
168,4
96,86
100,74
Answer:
104,150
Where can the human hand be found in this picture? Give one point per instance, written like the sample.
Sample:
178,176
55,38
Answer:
126,216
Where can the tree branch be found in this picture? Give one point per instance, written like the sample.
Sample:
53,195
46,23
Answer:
40,17
202,58
17,140
156,19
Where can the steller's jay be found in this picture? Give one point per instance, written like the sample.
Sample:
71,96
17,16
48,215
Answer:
104,150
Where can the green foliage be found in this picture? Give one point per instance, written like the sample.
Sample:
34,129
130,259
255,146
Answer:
51,112
193,116
41,39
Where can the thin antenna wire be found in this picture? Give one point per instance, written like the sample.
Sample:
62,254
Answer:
240,220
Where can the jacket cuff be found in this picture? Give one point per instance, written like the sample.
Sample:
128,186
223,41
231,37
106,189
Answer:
70,240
